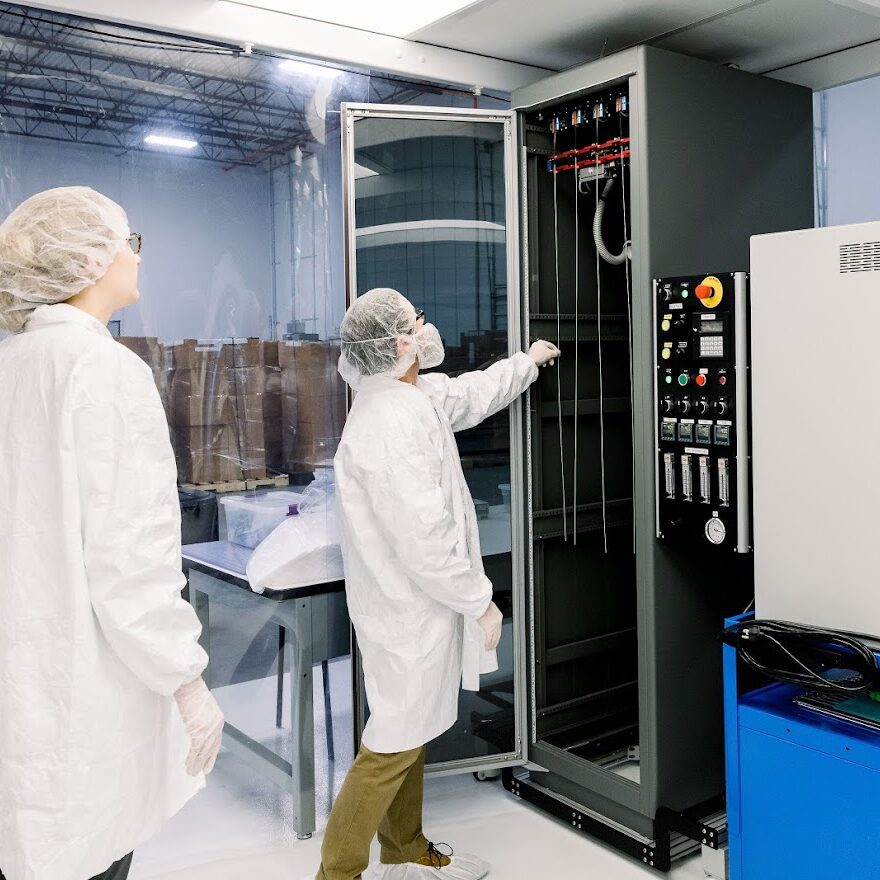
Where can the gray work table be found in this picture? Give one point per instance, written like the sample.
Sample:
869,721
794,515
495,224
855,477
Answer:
313,628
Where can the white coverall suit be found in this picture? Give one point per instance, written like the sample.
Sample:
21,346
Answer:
94,635
414,573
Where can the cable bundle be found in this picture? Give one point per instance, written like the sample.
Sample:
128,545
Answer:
800,655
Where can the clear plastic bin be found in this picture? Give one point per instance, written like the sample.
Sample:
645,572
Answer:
248,519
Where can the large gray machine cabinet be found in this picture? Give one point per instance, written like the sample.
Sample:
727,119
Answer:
631,635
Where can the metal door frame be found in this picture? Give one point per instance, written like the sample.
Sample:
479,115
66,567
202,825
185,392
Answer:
351,112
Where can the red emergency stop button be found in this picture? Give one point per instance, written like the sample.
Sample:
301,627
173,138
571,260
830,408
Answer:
701,379
704,291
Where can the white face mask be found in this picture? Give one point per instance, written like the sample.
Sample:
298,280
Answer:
429,347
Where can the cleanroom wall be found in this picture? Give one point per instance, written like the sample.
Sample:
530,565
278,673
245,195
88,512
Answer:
847,144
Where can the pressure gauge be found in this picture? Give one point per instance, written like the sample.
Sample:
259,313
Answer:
716,531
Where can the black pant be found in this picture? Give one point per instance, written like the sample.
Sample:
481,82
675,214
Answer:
117,871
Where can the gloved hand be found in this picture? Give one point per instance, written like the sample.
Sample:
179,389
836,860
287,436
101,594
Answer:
543,353
204,724
490,623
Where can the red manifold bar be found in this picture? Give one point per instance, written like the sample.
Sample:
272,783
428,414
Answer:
591,149
586,163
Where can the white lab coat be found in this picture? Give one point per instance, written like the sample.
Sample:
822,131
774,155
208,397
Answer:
413,569
94,635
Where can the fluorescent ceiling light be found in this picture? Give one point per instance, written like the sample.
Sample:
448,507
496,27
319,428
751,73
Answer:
164,140
306,69
396,18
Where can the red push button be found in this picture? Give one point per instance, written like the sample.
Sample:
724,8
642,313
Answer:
704,291
701,380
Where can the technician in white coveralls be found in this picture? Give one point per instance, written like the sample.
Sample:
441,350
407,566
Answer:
106,727
417,594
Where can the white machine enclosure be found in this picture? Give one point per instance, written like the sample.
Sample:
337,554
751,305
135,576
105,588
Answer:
815,315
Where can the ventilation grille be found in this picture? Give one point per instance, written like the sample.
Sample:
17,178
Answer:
864,257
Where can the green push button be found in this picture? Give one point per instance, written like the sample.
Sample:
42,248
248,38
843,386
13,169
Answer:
683,379
669,380
684,293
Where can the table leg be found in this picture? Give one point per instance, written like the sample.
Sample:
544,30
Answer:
328,710
302,721
279,702
201,604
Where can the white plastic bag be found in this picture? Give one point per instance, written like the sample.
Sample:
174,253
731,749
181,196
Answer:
304,549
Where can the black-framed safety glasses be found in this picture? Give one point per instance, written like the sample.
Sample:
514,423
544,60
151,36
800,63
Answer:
135,242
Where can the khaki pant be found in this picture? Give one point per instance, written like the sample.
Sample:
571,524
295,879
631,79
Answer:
384,794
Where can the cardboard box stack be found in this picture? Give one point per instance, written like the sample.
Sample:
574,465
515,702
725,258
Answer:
152,353
272,410
215,404
313,404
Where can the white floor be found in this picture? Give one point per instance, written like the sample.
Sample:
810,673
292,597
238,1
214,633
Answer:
240,827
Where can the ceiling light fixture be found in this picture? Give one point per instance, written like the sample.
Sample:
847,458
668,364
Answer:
164,140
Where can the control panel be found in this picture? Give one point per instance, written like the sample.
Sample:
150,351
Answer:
702,411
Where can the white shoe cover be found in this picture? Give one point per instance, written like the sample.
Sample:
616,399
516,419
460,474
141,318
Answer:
463,867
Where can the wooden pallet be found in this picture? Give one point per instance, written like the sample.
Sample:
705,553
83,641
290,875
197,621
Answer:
278,482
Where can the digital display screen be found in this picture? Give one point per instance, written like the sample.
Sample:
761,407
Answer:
722,435
711,327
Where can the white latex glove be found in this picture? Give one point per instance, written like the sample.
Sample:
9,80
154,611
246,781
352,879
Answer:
204,724
543,353
490,623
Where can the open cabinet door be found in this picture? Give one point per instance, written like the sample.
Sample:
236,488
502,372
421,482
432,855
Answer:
431,211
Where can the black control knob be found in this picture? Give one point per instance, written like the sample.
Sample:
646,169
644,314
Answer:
668,405
680,322
667,293
721,406
684,406
681,350
702,406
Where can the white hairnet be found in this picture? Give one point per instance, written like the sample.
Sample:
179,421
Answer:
370,332
55,245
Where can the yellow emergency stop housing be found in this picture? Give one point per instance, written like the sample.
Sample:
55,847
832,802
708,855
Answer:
713,301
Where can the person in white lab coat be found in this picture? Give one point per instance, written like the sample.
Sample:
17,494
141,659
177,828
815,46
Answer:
106,727
417,593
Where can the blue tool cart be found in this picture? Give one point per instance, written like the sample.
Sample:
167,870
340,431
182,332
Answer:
803,788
